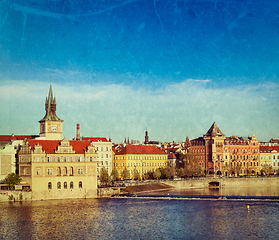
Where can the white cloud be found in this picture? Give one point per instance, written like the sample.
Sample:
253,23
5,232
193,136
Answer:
170,113
199,80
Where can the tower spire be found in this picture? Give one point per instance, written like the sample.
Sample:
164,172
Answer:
146,137
50,107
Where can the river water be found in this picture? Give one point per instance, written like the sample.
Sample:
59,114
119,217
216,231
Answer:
140,218
270,191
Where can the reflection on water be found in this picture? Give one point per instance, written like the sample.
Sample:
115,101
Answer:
139,219
241,191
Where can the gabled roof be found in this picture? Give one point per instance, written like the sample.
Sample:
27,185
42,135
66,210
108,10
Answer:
95,139
50,146
139,149
171,156
214,129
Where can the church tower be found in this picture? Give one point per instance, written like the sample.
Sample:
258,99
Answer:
51,125
146,141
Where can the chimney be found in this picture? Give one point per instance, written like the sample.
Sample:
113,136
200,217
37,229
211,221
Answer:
78,133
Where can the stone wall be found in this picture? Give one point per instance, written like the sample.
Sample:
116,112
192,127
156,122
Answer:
15,196
107,192
45,195
225,182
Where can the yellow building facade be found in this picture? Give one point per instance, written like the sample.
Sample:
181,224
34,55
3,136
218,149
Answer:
144,159
53,168
266,159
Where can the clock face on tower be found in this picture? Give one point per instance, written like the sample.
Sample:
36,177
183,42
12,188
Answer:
53,128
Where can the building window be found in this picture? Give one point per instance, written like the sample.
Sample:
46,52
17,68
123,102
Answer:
49,171
65,159
80,184
58,171
71,185
71,171
49,185
38,171
59,185
90,159
65,185
80,171
38,159
58,159
65,171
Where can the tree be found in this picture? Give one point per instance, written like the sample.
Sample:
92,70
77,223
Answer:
114,174
104,176
125,174
146,176
180,172
136,174
193,168
170,172
266,170
12,179
163,172
157,174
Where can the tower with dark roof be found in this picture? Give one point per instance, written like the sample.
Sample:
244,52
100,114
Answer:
214,142
146,137
51,125
214,131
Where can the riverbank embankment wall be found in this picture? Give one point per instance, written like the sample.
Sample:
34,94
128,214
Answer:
154,186
224,182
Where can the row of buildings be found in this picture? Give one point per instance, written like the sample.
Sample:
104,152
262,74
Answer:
55,167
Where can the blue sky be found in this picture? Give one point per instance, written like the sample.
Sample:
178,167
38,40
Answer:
118,67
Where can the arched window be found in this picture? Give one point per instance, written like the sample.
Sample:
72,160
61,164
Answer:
58,171
65,171
80,184
65,185
49,185
59,185
71,185
71,171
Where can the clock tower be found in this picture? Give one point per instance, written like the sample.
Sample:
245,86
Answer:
51,125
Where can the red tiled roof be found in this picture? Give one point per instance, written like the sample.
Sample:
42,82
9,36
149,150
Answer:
139,149
95,139
171,156
16,137
269,148
50,146
113,149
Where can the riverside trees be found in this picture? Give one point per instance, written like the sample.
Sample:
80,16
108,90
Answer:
12,179
104,176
